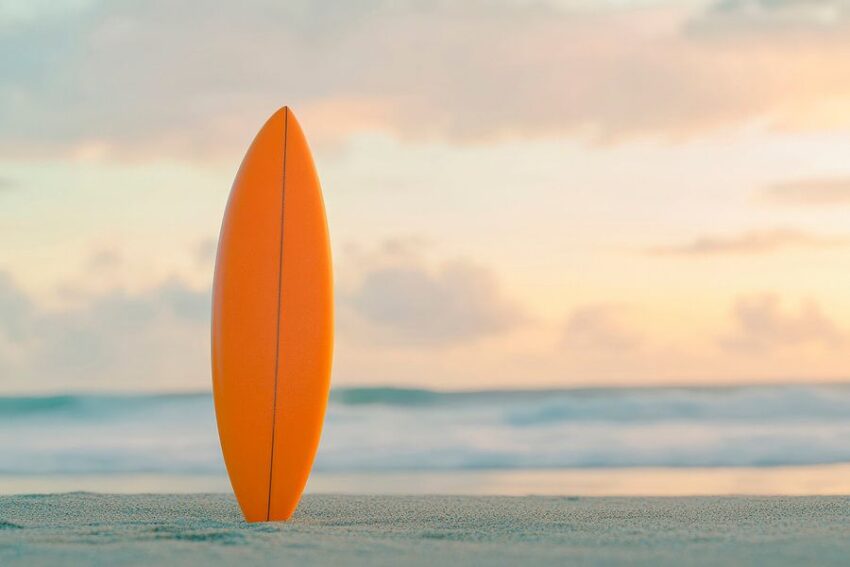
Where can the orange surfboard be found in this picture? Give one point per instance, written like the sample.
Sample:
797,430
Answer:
272,325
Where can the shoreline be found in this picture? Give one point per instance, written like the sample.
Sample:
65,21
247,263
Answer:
802,480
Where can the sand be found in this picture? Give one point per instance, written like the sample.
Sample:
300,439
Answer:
207,530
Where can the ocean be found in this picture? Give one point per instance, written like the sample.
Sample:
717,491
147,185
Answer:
774,439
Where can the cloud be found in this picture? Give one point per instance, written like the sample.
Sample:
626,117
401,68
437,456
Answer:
762,325
141,79
409,304
6,185
206,251
391,304
753,16
105,259
599,328
753,242
15,310
823,191
115,340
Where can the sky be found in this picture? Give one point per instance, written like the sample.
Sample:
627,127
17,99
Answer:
520,193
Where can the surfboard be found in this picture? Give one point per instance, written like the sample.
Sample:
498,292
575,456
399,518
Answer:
272,323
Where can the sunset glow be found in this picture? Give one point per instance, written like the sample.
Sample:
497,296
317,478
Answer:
519,194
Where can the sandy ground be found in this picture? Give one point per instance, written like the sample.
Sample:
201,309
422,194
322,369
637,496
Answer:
95,529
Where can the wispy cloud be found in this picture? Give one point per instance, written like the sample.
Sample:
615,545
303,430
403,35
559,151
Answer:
753,242
821,191
762,325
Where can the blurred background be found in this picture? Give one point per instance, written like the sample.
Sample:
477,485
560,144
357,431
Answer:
581,247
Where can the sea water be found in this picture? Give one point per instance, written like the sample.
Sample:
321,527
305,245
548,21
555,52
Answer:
780,439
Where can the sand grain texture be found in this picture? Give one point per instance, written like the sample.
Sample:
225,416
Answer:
95,529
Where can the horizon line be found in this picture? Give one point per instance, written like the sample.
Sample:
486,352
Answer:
844,382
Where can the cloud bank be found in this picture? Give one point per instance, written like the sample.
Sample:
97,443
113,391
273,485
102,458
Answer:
155,339
164,79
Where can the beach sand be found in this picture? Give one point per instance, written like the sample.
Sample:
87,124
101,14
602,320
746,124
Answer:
207,530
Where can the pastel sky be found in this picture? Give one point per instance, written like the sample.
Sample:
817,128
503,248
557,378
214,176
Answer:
520,193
